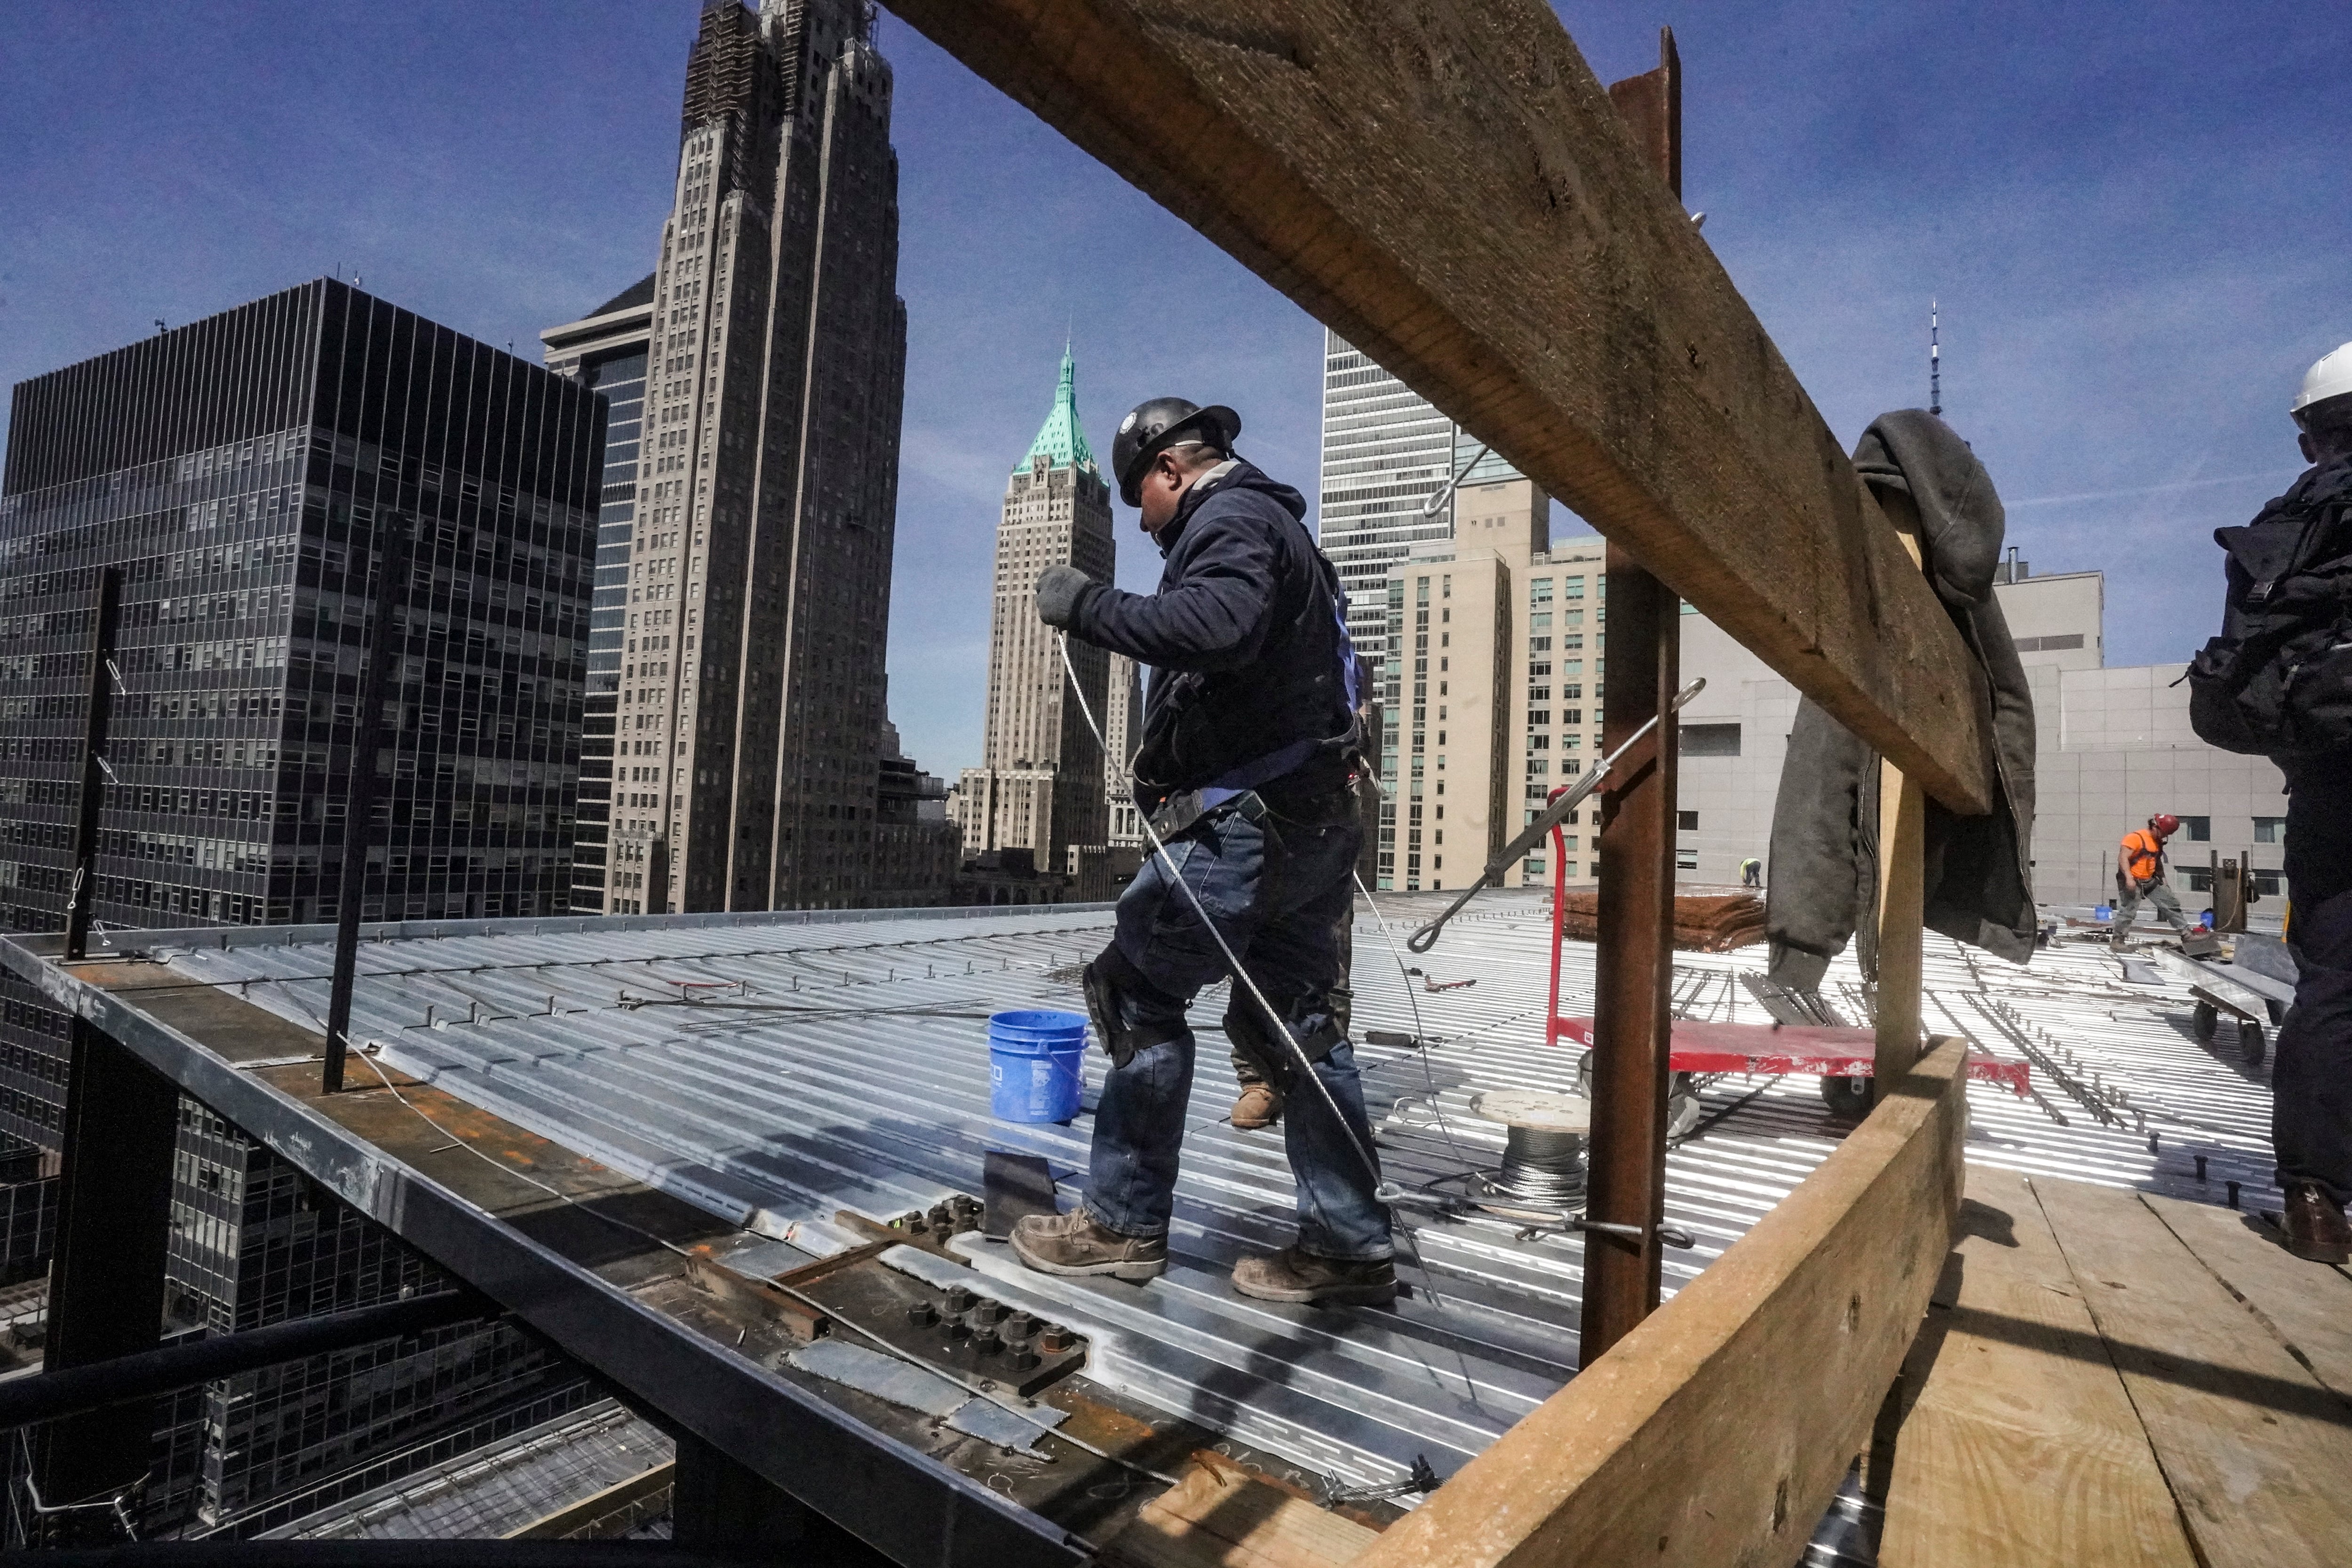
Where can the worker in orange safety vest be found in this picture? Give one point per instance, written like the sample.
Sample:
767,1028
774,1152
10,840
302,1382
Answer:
2139,873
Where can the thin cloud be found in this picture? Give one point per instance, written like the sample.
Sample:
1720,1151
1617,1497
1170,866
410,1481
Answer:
2266,474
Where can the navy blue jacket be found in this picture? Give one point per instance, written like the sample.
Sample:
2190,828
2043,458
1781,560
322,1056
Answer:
1243,639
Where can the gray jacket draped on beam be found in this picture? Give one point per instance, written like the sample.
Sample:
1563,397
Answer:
1980,880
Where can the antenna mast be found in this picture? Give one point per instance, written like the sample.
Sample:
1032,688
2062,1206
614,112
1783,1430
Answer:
1934,364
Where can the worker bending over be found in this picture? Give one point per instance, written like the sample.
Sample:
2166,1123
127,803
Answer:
1247,771
2140,875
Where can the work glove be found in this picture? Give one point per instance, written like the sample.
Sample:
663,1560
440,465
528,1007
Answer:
1062,592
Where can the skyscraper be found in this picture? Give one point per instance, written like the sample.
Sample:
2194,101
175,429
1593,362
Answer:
749,706
1123,730
606,350
250,477
245,473
1040,786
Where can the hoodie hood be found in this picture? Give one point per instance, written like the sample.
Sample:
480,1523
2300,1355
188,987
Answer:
1960,519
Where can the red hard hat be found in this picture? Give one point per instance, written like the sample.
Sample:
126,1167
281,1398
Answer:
2165,822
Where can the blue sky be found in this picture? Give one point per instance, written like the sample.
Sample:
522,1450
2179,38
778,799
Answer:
2134,217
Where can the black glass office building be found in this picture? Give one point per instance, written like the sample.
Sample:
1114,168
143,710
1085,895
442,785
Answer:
239,471
243,474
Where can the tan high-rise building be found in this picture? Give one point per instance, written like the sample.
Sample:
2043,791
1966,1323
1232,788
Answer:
1041,784
740,643
1123,728
1492,700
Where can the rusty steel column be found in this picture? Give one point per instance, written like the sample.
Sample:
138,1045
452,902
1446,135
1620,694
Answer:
1632,1014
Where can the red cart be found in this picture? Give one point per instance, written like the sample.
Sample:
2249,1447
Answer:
1842,1056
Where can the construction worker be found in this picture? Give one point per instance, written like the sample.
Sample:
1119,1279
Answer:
2311,1077
1246,772
2139,873
1751,872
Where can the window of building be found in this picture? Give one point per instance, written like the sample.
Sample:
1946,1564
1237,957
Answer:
2269,884
1571,587
1539,591
1685,859
1710,739
2201,879
1687,821
2269,829
2198,828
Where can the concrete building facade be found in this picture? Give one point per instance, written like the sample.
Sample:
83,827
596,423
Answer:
1123,728
1042,783
749,701
2114,747
1488,701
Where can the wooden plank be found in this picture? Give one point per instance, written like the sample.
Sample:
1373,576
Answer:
1221,1516
1716,1432
2254,1449
1902,880
2308,1306
2021,1447
1451,190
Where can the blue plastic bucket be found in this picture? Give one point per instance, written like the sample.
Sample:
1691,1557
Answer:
1032,1065
2103,911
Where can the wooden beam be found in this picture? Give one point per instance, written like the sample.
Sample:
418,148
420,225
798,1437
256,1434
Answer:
1902,879
1451,190
1717,1431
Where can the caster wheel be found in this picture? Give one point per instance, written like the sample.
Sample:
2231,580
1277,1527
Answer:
2250,1042
2205,1020
1846,1095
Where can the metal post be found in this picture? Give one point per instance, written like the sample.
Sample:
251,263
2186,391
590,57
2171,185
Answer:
106,1278
359,796
1632,1014
83,898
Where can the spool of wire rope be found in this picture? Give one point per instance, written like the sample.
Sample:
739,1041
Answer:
1544,1139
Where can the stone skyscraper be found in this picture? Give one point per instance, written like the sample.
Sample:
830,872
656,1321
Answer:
1040,785
753,584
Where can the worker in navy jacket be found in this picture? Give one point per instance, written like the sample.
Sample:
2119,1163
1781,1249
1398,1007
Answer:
1246,772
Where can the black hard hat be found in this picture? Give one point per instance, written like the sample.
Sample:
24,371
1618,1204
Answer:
1151,428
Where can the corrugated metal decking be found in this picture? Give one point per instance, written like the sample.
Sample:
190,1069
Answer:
777,1071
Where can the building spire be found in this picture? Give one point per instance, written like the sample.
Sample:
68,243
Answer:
1061,441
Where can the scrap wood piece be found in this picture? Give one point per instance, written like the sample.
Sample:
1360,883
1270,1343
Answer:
2020,1448
1704,922
2254,1449
1224,1515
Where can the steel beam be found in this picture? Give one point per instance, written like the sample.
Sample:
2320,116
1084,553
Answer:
83,898
359,797
78,1390
1632,1013
900,1500
106,1278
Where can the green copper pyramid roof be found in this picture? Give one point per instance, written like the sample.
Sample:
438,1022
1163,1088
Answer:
1062,443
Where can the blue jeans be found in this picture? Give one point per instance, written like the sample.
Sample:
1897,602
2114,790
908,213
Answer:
1278,899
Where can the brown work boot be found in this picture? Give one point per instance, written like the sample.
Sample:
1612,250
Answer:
1291,1275
1259,1106
1073,1243
2314,1227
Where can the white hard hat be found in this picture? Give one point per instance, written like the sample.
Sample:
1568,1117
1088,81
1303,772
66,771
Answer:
2331,378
